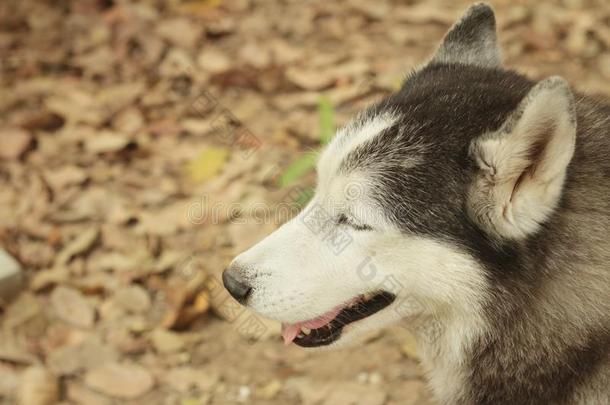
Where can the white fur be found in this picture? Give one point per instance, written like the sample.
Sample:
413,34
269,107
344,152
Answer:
361,130
296,276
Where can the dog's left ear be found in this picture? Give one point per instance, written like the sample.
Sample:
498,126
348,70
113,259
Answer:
472,40
522,166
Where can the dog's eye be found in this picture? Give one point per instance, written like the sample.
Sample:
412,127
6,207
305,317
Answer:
344,220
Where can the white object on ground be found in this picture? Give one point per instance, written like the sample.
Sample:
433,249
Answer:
11,277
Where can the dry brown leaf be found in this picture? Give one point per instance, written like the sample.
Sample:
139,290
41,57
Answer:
9,382
24,308
70,359
38,387
120,380
213,60
82,395
317,79
107,141
184,379
133,299
79,245
14,142
165,341
64,176
72,307
180,32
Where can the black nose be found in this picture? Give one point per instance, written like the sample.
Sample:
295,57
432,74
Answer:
237,288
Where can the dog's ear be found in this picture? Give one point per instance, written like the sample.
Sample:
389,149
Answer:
522,166
472,40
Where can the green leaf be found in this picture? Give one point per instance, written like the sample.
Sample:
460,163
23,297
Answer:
304,197
298,169
326,116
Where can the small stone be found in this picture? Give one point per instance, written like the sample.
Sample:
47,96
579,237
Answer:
11,277
125,381
243,393
375,378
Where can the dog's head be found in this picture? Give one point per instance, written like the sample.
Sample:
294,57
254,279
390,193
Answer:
413,193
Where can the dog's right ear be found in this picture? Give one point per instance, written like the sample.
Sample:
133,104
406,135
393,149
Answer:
522,166
472,40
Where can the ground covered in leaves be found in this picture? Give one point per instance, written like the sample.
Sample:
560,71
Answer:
141,145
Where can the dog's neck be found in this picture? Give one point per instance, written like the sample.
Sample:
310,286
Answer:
444,342
524,351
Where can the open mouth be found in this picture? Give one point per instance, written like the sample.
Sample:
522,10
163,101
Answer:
327,328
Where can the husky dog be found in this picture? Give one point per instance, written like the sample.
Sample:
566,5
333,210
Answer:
472,206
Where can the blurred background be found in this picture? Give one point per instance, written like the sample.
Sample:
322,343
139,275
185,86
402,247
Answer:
143,144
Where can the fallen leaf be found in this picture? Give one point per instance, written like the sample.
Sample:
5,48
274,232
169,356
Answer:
409,347
133,299
180,32
9,382
14,142
12,350
165,341
120,380
106,142
184,379
72,307
82,395
312,79
24,308
38,387
64,176
213,60
71,359
79,245
209,163
270,389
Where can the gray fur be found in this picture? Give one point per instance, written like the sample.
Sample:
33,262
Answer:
547,338
472,40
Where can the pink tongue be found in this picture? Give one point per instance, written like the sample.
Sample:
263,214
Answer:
291,331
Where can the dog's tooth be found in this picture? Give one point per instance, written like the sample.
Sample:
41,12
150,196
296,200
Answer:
306,331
